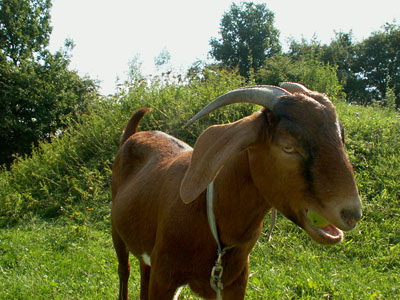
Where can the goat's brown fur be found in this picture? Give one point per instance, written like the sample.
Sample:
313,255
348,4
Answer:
158,188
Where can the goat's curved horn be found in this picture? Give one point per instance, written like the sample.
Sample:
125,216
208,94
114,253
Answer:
294,87
264,95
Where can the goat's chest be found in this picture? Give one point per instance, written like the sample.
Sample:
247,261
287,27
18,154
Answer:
235,270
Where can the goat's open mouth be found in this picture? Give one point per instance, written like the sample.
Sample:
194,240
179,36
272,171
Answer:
321,230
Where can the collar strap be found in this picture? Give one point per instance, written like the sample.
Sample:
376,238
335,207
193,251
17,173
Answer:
217,269
211,218
211,215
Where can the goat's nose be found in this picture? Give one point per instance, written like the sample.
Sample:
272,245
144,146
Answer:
351,216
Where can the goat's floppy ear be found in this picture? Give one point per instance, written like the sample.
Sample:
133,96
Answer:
214,147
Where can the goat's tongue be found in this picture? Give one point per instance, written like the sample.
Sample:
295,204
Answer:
330,230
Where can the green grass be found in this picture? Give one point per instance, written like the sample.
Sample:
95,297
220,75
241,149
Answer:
55,240
61,260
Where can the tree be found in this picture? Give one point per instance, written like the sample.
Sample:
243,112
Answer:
362,68
37,91
378,58
341,53
36,100
248,36
305,50
163,61
25,27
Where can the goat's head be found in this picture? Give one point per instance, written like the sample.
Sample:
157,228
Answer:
296,156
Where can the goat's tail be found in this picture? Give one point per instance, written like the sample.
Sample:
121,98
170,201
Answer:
133,124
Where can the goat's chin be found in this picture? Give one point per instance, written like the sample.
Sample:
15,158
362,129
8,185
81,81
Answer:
327,235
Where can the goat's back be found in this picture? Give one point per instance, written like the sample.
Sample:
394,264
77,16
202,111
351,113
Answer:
144,164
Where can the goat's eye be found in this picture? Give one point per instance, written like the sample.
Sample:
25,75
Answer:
289,149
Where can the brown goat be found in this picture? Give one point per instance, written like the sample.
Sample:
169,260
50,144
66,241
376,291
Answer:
289,156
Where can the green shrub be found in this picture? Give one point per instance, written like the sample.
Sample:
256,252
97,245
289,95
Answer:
312,73
71,175
71,172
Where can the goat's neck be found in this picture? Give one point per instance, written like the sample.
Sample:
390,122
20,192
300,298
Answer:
239,207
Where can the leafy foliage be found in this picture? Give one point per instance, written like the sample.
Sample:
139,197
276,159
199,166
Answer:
25,28
36,99
341,53
362,68
37,91
248,36
72,172
377,58
312,73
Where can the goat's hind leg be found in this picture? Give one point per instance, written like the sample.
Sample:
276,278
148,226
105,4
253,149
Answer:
123,265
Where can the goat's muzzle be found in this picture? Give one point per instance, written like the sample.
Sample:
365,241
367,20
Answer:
341,218
351,217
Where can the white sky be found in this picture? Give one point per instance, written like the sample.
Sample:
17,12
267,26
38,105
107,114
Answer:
109,33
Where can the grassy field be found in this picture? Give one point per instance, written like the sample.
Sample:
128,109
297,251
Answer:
55,240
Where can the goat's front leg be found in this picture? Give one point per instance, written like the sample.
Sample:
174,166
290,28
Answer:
160,288
162,283
144,281
237,290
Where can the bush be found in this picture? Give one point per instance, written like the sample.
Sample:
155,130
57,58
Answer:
67,175
71,175
312,73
